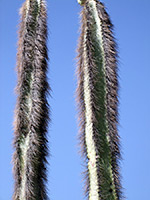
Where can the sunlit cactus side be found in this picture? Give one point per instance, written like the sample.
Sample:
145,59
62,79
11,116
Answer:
97,98
32,110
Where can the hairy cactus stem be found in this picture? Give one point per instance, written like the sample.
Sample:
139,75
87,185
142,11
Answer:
98,102
32,110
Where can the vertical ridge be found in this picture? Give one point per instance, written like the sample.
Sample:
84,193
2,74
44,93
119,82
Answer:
38,151
100,38
111,74
90,145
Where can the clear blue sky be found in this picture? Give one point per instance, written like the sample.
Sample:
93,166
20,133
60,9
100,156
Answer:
132,29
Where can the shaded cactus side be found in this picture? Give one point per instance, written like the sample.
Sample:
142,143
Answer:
32,110
97,98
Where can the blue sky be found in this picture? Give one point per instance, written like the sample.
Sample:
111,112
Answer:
132,30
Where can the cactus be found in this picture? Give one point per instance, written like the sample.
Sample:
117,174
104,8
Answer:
32,110
97,99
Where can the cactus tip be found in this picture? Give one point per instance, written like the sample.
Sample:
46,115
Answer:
81,2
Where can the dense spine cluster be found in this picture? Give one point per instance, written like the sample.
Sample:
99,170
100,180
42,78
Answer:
32,112
97,97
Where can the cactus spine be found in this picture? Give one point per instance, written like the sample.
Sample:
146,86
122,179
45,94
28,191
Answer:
31,113
97,97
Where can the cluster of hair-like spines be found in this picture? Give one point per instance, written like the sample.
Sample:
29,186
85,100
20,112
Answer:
32,110
81,103
97,98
